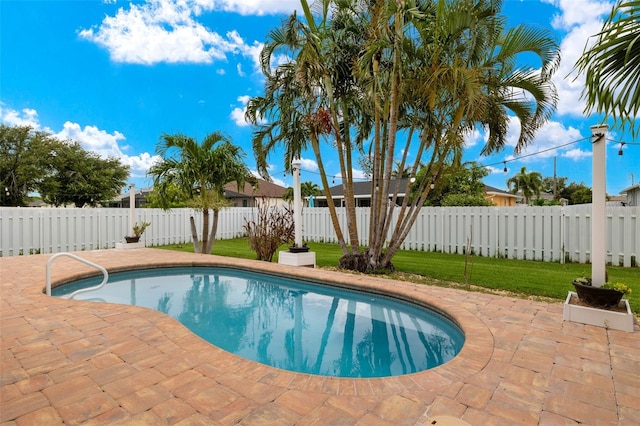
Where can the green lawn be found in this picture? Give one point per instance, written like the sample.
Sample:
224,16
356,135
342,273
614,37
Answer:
521,277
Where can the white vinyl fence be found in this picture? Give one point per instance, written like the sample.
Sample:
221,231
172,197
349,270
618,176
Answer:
552,234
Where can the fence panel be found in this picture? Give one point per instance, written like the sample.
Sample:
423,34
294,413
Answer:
542,233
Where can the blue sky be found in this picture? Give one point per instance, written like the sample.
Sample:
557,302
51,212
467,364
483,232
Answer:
115,75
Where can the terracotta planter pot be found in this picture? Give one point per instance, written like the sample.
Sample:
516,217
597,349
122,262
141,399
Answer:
597,296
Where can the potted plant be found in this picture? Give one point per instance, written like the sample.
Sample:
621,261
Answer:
599,306
606,296
138,230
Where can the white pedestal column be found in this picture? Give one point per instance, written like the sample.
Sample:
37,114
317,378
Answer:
599,206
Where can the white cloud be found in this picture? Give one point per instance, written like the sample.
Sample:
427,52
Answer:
107,145
279,182
580,19
240,72
167,31
93,139
576,154
221,71
308,165
494,170
550,136
26,117
358,175
474,137
577,12
273,179
237,114
257,7
90,137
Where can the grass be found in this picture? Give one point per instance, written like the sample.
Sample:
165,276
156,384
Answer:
520,277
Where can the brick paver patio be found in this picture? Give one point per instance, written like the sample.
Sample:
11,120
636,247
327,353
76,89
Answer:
78,362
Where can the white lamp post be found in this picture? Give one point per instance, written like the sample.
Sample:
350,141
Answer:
297,255
132,207
598,205
297,202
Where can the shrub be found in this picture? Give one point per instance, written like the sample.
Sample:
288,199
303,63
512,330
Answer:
272,228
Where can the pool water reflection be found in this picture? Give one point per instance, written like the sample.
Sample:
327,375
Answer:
284,323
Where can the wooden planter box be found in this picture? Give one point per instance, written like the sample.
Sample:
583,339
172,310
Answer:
598,316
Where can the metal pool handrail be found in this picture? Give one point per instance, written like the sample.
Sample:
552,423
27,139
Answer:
79,259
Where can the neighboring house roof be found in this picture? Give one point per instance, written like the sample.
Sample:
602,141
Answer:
616,198
490,190
632,188
37,203
261,188
547,196
633,195
139,193
363,189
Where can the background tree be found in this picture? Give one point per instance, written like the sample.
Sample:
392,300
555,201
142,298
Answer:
577,193
25,156
529,184
81,177
199,172
174,199
307,189
549,183
61,171
612,67
459,186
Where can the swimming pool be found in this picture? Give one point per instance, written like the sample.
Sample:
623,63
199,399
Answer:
289,324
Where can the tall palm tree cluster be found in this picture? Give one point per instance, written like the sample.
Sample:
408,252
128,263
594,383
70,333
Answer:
386,79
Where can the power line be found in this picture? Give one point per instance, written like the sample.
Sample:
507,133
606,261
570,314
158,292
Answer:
334,177
534,153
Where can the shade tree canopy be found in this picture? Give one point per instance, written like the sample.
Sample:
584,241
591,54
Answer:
62,172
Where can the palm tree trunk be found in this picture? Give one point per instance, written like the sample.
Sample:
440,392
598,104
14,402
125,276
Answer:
379,237
194,236
205,229
325,185
212,234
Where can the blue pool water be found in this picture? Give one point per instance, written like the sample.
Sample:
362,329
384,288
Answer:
289,324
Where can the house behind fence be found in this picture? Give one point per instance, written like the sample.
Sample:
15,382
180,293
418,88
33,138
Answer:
550,233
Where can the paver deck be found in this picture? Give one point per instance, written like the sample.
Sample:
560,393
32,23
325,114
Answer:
72,362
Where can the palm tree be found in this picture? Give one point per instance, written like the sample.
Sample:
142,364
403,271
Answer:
307,189
199,172
369,73
612,66
527,183
306,99
457,72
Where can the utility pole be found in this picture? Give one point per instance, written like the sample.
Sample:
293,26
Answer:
555,179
